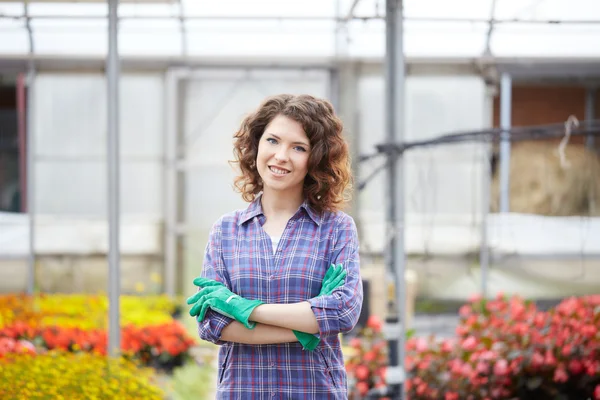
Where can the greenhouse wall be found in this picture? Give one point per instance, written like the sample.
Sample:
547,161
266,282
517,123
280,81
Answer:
443,185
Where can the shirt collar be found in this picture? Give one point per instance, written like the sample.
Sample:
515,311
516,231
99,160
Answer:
255,209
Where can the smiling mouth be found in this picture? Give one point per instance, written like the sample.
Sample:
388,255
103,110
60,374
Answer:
278,171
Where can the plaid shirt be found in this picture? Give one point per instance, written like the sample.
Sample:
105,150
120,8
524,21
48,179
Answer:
239,254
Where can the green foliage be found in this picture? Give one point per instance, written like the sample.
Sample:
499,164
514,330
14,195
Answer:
193,382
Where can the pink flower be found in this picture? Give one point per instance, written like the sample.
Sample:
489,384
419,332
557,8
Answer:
27,345
501,367
451,396
488,355
537,360
465,311
550,360
467,370
421,345
475,298
470,343
560,375
482,367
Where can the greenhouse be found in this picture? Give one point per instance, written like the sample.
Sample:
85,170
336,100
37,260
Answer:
499,214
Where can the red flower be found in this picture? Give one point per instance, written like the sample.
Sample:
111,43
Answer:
451,396
361,372
374,323
362,388
369,356
575,367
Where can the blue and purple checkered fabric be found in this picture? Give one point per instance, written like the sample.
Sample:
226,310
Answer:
239,253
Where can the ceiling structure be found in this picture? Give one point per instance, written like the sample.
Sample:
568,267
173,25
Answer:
558,32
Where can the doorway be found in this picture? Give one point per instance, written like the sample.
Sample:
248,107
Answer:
12,143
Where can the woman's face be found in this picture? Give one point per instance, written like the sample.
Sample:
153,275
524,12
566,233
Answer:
283,152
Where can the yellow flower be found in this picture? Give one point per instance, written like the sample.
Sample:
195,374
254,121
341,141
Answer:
155,277
60,375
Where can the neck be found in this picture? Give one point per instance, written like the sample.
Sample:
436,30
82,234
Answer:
277,204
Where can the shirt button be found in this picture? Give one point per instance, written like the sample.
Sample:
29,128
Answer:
271,364
272,394
340,306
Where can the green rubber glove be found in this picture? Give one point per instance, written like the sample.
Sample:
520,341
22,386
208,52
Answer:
334,278
202,283
223,301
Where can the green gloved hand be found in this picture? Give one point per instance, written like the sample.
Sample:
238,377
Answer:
334,278
223,301
202,283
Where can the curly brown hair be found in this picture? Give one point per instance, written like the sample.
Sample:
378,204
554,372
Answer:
329,178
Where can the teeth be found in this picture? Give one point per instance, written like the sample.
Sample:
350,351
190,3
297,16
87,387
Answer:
278,171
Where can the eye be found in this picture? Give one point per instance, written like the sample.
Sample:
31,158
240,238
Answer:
272,140
300,149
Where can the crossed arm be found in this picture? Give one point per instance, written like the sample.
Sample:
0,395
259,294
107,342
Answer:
275,324
324,315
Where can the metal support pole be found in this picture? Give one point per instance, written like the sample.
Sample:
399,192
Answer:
590,111
30,157
486,183
183,30
31,178
112,78
334,88
170,192
395,75
505,123
484,251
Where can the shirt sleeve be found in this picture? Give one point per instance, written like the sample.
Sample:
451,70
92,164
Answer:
339,312
211,327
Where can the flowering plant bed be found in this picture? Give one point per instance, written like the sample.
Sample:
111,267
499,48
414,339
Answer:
366,359
59,374
508,349
77,323
84,311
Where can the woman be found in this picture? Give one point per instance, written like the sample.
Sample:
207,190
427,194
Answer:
285,270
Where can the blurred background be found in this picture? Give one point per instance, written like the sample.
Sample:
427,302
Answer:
191,70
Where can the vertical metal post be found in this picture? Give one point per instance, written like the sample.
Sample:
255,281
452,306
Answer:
334,72
183,30
30,193
590,140
112,78
170,192
395,75
30,157
590,111
484,251
334,88
505,123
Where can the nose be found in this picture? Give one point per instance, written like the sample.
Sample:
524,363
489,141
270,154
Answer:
281,155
